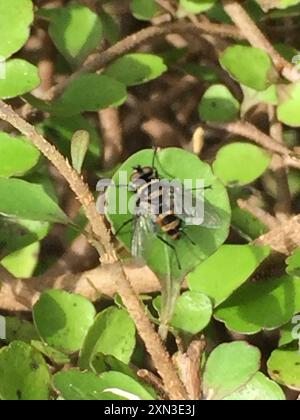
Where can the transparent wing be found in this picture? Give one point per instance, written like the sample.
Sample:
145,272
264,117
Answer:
144,230
195,210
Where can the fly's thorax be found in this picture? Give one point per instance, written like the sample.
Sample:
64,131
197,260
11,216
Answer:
142,175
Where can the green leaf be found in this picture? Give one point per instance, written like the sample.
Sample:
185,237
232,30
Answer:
293,263
100,92
241,163
135,69
54,355
21,199
144,9
245,312
17,329
79,148
284,366
63,319
229,367
218,105
192,312
112,333
207,240
259,388
20,77
111,30
279,4
290,332
250,66
15,18
76,31
17,155
253,98
289,103
74,385
24,374
238,263
61,130
196,6
17,234
247,226
22,262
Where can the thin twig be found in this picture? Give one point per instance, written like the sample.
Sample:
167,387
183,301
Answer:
283,205
257,39
152,380
112,136
161,358
251,132
283,239
260,214
100,60
20,295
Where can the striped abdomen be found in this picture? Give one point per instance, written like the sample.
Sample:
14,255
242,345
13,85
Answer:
170,224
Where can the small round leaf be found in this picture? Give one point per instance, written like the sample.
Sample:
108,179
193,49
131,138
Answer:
144,9
15,18
112,333
74,385
63,319
289,103
76,32
196,6
238,262
24,374
259,388
284,366
245,311
20,77
250,66
229,367
90,92
241,163
218,105
24,200
17,155
135,69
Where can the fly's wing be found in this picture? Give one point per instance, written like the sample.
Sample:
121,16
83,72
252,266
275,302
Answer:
195,210
144,231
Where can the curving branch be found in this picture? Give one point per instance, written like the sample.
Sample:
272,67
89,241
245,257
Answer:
102,239
98,61
257,39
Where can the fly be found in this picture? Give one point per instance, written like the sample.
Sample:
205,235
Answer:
155,212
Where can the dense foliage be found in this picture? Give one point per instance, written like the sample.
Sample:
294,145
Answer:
219,96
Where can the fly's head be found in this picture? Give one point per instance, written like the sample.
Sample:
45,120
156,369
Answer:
142,175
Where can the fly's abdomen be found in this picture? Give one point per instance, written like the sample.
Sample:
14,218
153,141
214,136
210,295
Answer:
169,224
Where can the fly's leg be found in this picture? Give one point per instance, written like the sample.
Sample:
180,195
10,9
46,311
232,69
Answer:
173,248
124,225
188,237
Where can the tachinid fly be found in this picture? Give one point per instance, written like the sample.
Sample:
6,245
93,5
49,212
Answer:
156,214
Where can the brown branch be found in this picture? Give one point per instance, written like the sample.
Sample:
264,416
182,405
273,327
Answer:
257,39
260,214
152,380
112,136
283,205
156,349
188,364
251,132
21,295
283,239
100,60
